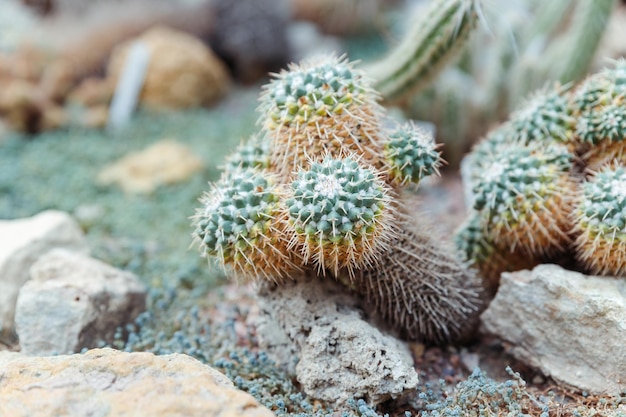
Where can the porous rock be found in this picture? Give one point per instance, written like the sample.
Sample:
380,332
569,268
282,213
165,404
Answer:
341,355
73,302
570,326
106,382
22,242
182,72
164,162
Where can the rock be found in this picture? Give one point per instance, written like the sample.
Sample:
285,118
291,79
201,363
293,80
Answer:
341,355
106,382
570,326
165,162
73,302
22,242
182,73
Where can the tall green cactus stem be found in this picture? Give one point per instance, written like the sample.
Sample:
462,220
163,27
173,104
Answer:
243,224
573,51
601,222
342,215
434,38
411,153
320,108
544,117
251,154
477,247
421,289
526,193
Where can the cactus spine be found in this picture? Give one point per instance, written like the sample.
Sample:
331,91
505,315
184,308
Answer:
321,194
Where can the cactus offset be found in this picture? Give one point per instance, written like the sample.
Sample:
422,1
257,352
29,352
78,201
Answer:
251,154
341,213
601,222
242,224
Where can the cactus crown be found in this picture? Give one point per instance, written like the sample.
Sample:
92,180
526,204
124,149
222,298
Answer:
251,154
336,201
471,241
606,122
520,171
545,116
237,211
311,90
603,206
412,154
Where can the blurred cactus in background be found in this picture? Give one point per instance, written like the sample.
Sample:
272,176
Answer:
549,184
326,197
528,44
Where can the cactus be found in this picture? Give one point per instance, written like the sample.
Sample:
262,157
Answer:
476,247
600,218
323,106
412,154
319,191
242,224
435,37
525,193
421,290
341,213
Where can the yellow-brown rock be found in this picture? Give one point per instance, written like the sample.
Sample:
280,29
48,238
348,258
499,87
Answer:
182,72
92,91
165,162
106,382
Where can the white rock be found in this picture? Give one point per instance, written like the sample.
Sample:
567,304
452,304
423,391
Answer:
570,326
22,242
73,302
341,356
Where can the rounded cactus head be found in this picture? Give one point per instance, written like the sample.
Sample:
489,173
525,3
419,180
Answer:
526,193
242,223
601,222
342,214
546,116
253,153
411,153
477,247
320,107
605,123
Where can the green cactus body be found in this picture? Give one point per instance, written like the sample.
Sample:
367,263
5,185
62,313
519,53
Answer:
251,154
317,109
526,193
478,249
434,39
601,222
412,154
242,223
546,116
341,213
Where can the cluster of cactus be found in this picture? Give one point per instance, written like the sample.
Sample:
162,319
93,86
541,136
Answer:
319,190
524,46
550,183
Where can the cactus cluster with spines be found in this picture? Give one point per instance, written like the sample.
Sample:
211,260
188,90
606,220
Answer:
319,191
556,195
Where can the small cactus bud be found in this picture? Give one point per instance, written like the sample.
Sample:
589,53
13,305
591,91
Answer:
251,154
412,154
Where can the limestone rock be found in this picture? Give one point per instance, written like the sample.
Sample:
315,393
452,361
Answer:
165,162
342,356
182,72
105,382
73,301
570,326
22,242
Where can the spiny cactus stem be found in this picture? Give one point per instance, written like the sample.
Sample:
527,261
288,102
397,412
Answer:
426,49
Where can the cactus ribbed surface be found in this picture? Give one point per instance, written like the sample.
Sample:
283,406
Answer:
601,222
434,38
341,213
